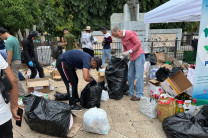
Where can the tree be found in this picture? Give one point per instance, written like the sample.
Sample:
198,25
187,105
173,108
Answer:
93,13
18,14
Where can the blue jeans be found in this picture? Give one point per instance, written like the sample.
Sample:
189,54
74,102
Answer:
136,72
106,53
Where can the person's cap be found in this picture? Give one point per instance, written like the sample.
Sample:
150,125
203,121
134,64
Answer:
98,62
103,29
34,34
88,28
2,30
65,29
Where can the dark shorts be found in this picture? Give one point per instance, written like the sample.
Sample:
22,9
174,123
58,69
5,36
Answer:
6,130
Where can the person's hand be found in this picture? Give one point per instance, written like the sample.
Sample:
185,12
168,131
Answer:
14,110
122,57
30,63
125,54
93,80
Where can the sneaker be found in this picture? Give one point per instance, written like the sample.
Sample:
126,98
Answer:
76,108
134,98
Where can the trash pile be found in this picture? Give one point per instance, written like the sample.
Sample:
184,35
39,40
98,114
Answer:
170,87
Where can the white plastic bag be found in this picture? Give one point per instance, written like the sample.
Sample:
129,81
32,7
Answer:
96,121
104,96
148,107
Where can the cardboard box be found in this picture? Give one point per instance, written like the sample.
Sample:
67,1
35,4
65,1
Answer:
176,63
40,85
101,76
176,84
161,57
154,87
55,75
167,66
77,124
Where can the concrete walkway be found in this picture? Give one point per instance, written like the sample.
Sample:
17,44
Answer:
123,115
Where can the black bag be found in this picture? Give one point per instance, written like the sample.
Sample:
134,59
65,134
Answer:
174,71
151,58
187,126
162,74
47,116
61,96
116,75
5,86
91,95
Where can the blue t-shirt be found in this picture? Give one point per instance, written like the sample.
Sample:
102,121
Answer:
76,58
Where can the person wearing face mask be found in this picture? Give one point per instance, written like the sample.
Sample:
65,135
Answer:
30,55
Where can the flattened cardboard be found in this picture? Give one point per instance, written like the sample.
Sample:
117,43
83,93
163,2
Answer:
55,75
176,63
42,84
76,126
101,76
176,84
167,66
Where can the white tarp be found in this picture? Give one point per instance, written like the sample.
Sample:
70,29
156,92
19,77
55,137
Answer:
175,11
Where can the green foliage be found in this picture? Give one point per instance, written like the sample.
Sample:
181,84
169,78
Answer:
18,14
93,13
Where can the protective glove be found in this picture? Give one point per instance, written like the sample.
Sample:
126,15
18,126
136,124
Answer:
122,57
125,54
93,80
30,63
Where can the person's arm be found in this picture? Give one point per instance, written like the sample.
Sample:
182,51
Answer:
26,50
86,75
13,93
136,42
9,57
75,44
65,42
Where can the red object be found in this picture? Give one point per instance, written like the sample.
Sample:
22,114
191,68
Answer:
194,101
192,66
180,102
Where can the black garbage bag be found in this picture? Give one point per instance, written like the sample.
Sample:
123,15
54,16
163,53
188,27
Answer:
61,96
174,71
162,74
151,58
91,95
47,116
116,75
187,126
56,52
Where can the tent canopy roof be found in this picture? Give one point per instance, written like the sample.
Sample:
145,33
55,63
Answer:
175,11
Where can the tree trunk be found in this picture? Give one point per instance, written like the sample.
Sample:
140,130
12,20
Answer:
20,35
27,32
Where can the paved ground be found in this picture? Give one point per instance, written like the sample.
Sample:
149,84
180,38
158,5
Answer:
123,115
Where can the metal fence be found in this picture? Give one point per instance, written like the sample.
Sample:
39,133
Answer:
174,48
116,49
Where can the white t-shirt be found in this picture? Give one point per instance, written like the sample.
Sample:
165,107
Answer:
5,113
107,35
86,41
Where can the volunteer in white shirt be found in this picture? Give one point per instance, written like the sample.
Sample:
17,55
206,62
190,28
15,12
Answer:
5,113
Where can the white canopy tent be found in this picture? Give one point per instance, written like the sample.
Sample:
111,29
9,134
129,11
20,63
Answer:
175,11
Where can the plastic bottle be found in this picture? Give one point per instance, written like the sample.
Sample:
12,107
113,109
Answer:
179,107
